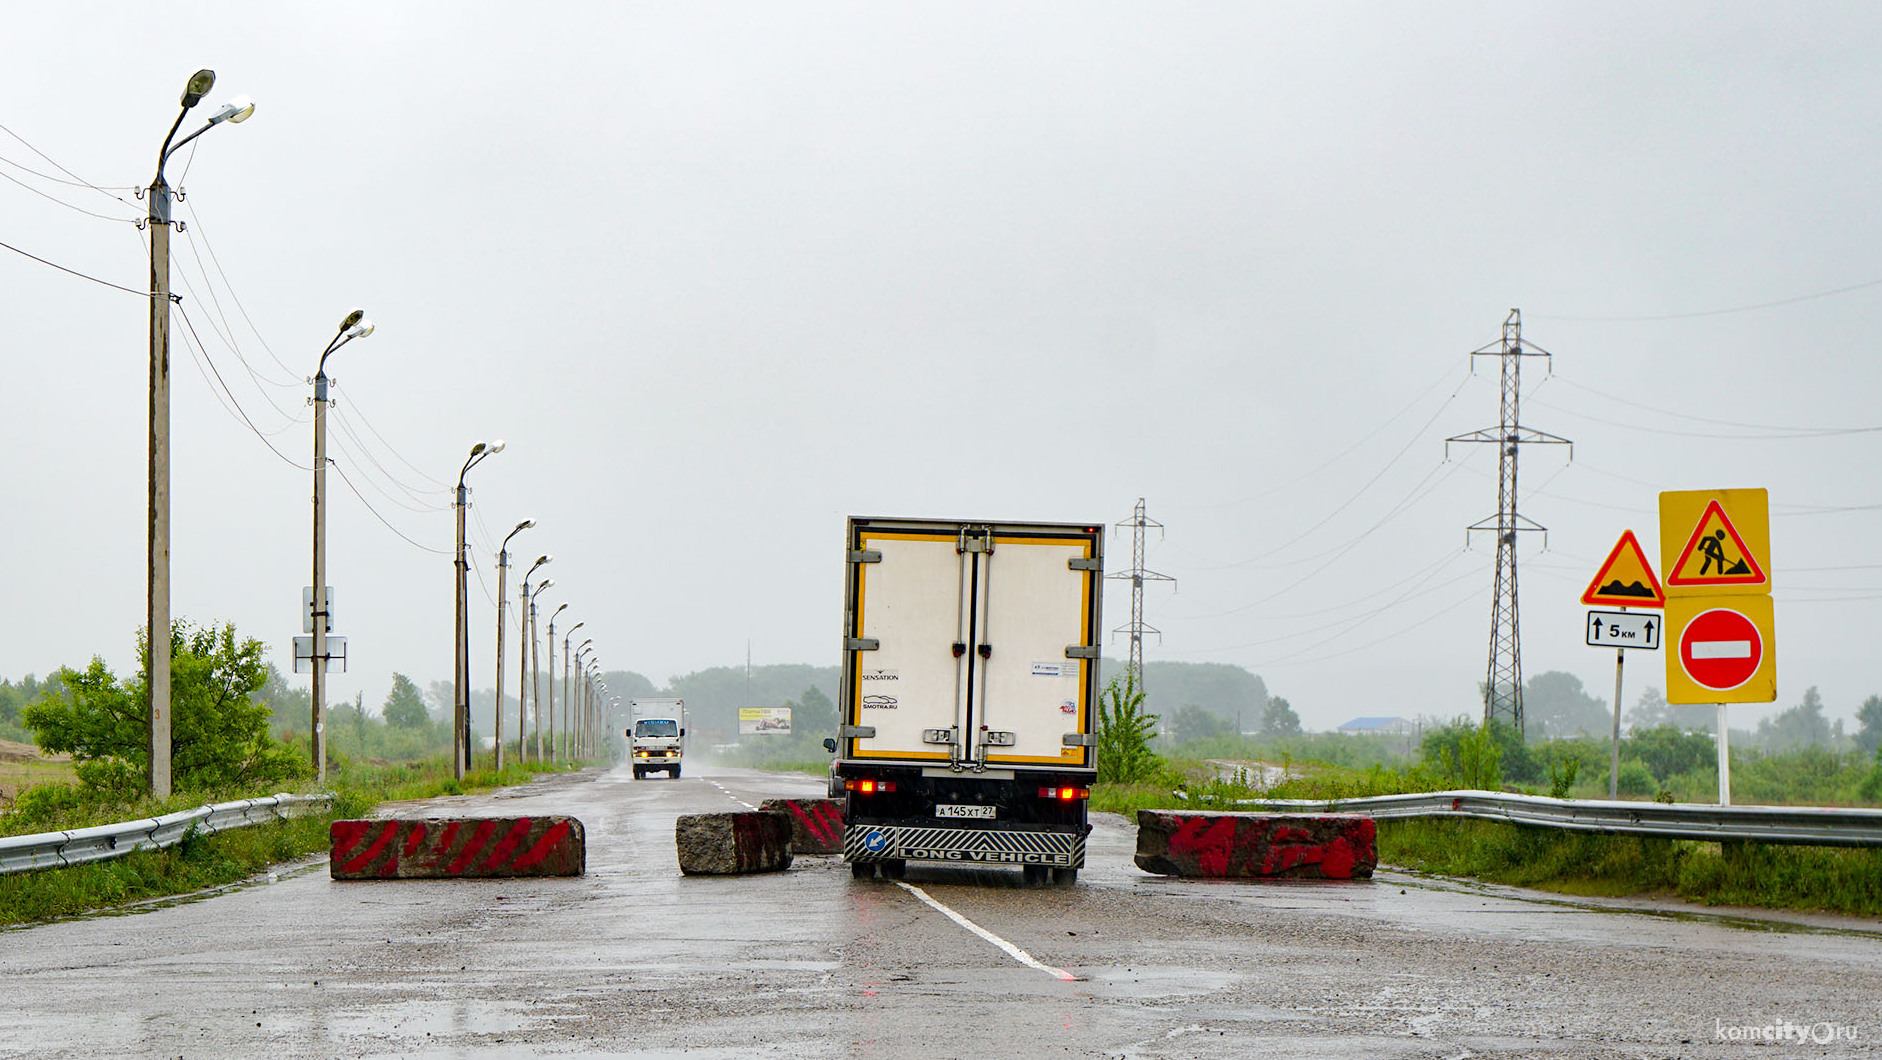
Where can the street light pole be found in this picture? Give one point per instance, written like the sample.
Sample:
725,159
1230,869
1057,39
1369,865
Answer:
503,569
354,326
157,523
552,748
535,664
567,635
460,713
523,635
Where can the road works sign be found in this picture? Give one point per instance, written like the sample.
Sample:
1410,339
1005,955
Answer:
1723,542
1626,579
1726,650
1618,629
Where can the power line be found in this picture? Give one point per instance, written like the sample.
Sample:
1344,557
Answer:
81,181
1720,312
75,272
49,197
382,519
191,325
197,222
442,486
1720,423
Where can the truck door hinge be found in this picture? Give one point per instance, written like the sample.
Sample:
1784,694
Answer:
1081,651
975,539
1080,563
856,732
865,555
861,644
1079,739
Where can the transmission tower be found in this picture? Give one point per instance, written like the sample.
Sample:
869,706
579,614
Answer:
1138,523
1503,684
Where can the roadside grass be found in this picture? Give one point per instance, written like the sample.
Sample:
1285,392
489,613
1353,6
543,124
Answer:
1768,876
212,860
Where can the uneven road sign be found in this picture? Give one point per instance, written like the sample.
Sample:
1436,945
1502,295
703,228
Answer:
1626,579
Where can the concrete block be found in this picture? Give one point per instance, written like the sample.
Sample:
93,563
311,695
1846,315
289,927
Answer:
1293,845
816,824
455,848
725,843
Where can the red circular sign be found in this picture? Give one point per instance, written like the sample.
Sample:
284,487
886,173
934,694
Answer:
1721,649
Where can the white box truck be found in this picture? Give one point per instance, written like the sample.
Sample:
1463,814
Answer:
656,736
968,696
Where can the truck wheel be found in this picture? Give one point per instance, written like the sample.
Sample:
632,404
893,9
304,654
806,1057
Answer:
863,870
674,772
1064,877
1032,875
639,773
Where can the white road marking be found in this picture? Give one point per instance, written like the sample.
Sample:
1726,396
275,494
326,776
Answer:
1721,649
1011,950
729,795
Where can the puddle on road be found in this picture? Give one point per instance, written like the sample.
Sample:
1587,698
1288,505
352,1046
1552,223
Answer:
435,1019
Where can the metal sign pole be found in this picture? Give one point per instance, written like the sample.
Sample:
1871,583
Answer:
1725,760
1614,751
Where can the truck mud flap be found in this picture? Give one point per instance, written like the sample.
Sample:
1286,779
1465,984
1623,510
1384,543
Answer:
963,846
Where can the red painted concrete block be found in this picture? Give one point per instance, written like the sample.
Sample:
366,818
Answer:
1294,845
457,848
715,844
816,824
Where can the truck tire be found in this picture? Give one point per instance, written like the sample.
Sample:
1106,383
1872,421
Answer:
862,870
674,772
1033,875
1064,877
639,773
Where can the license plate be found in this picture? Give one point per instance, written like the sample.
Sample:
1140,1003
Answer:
952,810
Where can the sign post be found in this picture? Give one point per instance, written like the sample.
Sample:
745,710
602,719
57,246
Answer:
1715,546
1625,579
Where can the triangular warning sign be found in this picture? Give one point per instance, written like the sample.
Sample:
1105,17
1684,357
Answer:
1715,555
1626,579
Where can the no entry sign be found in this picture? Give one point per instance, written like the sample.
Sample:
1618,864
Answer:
1726,650
1721,649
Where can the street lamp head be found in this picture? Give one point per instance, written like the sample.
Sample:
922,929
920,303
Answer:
360,330
497,448
546,582
558,610
235,111
478,449
524,525
353,316
199,85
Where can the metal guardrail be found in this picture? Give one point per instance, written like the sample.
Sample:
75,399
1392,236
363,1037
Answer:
1811,825
51,850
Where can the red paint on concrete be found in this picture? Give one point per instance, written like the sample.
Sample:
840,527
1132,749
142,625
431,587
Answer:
816,824
397,849
1256,845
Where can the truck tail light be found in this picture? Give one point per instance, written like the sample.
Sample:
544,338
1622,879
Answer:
1065,794
869,787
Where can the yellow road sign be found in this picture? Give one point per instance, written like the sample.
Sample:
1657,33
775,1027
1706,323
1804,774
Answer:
1720,649
1716,542
1625,580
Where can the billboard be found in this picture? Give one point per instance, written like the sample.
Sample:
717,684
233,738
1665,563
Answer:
764,721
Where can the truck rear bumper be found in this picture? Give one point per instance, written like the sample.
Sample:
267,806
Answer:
979,846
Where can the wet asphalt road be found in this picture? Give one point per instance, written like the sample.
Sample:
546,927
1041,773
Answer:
636,960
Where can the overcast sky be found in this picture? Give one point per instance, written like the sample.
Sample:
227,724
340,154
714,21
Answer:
722,275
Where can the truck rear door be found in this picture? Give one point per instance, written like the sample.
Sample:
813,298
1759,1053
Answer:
973,645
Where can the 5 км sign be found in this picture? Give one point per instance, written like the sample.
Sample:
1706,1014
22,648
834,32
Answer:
1622,629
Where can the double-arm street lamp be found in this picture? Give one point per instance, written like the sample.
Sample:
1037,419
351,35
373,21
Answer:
503,569
460,714
523,636
579,664
157,597
353,326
